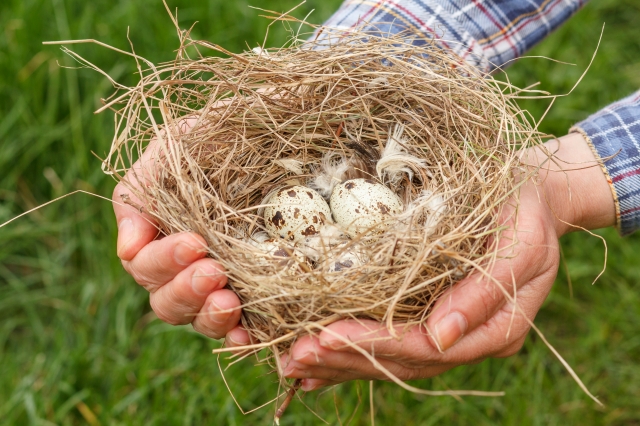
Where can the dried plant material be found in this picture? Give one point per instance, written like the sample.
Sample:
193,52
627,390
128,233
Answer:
219,135
291,164
427,209
395,161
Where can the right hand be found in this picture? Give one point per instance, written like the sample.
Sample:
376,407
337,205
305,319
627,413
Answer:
184,285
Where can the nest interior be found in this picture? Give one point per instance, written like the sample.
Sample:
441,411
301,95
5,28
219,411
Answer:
213,136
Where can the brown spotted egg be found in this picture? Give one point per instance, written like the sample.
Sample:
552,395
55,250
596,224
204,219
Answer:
296,212
286,258
346,260
361,205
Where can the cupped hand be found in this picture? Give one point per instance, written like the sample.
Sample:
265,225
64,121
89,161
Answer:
485,315
185,286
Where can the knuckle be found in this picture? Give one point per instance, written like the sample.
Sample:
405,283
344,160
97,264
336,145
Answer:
396,370
200,326
137,276
488,295
334,375
415,356
412,362
180,298
352,364
126,265
404,373
511,350
141,278
167,315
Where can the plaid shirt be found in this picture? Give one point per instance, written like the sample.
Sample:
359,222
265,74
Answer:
489,34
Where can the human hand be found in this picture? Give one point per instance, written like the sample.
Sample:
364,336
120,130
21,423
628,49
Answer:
184,285
483,316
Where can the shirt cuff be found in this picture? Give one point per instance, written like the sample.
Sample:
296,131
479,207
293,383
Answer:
614,134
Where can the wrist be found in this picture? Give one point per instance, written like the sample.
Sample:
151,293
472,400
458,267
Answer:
572,184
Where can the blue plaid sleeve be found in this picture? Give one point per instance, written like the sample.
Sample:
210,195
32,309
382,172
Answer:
487,34
614,133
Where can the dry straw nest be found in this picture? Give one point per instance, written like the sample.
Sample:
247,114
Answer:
217,135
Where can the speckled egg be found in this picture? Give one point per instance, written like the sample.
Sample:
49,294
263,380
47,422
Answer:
318,246
276,251
361,205
346,260
296,212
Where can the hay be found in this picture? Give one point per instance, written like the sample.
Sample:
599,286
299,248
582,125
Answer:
217,135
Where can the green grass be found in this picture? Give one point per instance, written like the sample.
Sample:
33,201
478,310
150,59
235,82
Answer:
77,342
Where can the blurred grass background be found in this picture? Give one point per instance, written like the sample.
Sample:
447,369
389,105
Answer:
78,343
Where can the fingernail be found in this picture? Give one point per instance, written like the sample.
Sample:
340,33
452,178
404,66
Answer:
216,315
299,356
450,329
330,342
126,232
185,254
288,369
235,342
202,283
310,385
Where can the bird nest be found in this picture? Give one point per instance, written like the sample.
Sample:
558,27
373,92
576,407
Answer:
220,141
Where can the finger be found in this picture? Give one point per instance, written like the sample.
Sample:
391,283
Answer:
135,230
367,371
356,367
414,347
179,300
512,348
160,261
507,329
219,315
309,385
309,359
477,298
237,337
296,371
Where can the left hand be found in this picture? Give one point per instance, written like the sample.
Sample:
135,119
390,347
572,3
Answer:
474,320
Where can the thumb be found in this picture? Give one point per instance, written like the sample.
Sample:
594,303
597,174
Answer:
475,299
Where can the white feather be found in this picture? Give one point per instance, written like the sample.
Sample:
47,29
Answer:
291,165
332,172
427,209
260,51
395,160
436,208
258,238
378,82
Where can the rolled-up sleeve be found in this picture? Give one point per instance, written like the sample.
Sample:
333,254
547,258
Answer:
614,134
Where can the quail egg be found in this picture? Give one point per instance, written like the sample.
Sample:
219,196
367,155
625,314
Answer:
318,246
351,258
296,212
277,252
362,205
